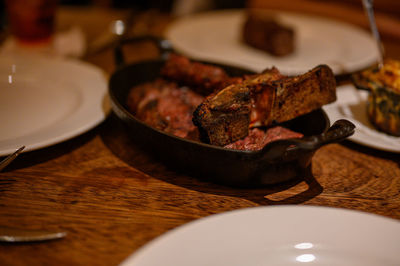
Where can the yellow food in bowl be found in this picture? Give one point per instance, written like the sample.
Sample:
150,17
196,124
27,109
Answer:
383,106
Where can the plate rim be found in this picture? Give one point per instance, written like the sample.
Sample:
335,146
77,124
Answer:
146,248
338,70
97,115
356,138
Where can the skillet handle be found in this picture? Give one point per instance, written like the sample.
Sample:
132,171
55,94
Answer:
164,46
359,82
340,130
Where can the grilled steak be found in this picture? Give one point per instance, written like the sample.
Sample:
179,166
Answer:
202,78
265,32
226,115
174,103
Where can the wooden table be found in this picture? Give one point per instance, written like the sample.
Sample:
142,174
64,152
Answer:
111,198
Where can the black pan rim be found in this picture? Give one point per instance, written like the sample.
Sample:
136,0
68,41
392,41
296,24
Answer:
117,106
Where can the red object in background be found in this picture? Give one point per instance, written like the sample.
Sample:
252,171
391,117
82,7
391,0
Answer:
31,21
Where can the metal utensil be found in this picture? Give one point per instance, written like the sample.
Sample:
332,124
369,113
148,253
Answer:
15,235
10,158
116,30
369,9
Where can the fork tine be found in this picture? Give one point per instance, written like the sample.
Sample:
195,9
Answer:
10,158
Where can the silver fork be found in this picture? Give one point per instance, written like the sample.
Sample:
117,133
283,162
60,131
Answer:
10,158
369,9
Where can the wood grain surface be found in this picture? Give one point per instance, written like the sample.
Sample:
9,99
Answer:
111,197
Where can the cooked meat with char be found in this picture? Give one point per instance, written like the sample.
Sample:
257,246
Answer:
236,106
165,106
261,99
202,78
224,116
264,100
267,33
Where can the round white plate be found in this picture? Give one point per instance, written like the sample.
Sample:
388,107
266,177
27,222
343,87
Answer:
216,36
351,104
46,100
279,235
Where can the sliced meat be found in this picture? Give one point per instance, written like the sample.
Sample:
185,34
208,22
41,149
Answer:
257,138
165,106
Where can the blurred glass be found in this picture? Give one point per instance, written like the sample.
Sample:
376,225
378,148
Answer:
31,21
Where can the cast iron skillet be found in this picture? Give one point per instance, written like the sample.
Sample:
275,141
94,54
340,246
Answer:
277,162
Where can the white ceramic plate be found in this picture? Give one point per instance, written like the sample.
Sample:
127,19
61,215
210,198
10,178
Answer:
46,100
216,36
279,235
351,104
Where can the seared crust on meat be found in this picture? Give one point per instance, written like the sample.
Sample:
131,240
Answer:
203,78
302,94
267,33
266,99
224,116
